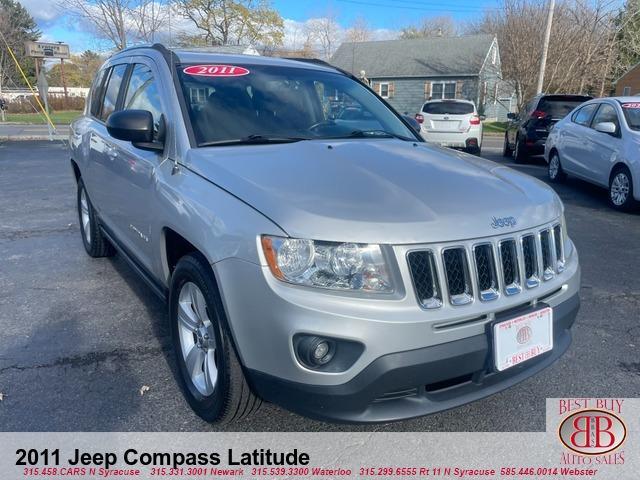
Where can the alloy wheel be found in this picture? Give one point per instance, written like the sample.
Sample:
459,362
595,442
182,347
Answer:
619,189
197,339
84,215
554,167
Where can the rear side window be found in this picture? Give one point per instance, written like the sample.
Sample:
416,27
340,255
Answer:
112,91
583,116
559,107
97,93
143,94
451,108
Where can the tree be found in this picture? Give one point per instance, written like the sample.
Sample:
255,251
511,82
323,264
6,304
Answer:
120,22
324,32
16,26
232,22
78,71
359,31
627,37
443,26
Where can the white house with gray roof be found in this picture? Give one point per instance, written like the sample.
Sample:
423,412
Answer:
408,72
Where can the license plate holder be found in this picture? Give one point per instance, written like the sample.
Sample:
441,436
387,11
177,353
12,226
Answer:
521,338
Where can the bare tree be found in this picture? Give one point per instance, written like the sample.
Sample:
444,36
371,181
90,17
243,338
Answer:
107,17
233,22
325,32
150,17
441,26
359,31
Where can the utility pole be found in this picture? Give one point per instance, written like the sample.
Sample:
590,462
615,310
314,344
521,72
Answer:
545,46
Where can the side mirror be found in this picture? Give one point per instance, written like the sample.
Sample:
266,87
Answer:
482,118
413,122
135,126
606,127
512,116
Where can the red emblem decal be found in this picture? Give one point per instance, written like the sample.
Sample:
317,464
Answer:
631,105
216,70
524,335
592,432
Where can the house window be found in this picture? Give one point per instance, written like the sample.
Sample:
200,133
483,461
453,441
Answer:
494,56
384,90
442,90
198,95
626,92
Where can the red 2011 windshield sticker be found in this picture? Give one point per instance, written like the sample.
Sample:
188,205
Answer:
631,105
216,70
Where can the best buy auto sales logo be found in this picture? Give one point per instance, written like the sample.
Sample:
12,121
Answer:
594,431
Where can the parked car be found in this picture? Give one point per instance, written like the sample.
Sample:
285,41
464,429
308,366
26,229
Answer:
345,273
527,132
452,123
600,142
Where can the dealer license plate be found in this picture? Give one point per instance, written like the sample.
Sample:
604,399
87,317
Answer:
522,338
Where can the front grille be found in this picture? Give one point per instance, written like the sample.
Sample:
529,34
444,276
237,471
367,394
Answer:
457,274
425,280
493,267
510,269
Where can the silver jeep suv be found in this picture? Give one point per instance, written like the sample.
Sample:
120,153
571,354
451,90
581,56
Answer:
333,264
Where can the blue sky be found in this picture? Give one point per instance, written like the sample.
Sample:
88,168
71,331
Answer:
388,15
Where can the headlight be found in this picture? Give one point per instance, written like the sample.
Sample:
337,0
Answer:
338,266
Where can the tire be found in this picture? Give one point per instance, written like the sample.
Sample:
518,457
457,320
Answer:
621,190
520,154
93,239
554,170
507,151
213,384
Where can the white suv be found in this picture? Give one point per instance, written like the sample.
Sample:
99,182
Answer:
451,123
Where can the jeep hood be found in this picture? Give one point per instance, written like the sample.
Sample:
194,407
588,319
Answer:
376,191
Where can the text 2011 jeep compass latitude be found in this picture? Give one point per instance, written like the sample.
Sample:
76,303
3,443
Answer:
335,265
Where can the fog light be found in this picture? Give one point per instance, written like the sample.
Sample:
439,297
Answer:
315,351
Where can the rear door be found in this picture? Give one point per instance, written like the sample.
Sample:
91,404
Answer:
572,139
447,116
550,110
603,149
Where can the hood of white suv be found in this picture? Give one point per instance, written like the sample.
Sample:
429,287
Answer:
378,190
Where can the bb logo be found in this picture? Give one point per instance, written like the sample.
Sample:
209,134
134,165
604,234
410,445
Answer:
524,335
592,432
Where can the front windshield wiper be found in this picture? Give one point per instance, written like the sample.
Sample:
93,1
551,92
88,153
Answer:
375,133
252,140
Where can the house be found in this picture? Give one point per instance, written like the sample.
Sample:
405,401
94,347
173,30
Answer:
629,83
408,72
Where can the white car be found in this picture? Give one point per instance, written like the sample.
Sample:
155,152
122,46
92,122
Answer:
599,142
451,123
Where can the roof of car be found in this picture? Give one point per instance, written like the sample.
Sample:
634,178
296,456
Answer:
204,55
449,100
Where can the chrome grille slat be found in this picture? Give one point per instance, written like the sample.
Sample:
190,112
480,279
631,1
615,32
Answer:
462,273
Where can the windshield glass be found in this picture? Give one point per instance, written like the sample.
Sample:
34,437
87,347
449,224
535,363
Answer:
253,103
632,114
444,108
559,107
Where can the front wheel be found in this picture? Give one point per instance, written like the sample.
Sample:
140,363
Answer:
210,373
621,190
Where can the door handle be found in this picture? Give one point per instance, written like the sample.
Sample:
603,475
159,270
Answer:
112,152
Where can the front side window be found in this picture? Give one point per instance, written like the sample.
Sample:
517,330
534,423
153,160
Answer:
143,94
282,103
606,113
583,116
112,90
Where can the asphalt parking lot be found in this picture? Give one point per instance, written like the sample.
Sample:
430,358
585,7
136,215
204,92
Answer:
82,338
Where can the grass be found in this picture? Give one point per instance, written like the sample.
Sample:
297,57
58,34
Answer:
63,117
494,127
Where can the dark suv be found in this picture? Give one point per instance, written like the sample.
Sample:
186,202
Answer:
527,132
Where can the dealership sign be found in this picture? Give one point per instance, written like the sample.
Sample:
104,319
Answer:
46,50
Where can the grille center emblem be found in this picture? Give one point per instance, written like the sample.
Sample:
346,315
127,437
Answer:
503,222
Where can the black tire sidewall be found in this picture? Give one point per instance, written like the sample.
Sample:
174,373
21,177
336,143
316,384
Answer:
211,407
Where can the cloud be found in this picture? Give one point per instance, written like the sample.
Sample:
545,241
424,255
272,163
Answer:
42,10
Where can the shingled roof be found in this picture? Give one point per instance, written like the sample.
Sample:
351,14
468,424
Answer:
424,57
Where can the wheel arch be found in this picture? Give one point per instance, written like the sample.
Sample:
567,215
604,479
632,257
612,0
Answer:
76,170
616,167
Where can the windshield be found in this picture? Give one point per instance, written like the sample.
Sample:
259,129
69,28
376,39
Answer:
260,103
632,114
559,107
451,108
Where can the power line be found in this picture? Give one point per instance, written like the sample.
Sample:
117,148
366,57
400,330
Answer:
424,8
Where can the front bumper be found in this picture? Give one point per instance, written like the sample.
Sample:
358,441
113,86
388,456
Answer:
414,361
417,382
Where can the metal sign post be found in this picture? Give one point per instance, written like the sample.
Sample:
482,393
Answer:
43,90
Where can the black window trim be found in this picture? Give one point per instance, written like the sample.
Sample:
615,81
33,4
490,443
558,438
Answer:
103,90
